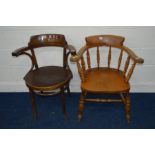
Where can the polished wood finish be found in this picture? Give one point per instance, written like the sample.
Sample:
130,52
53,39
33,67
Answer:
83,63
98,57
109,40
81,72
126,64
88,59
34,108
130,72
109,57
102,79
120,59
45,80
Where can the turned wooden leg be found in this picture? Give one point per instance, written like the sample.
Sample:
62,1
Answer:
128,108
63,103
34,109
81,106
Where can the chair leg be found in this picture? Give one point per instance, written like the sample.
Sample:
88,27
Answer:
128,108
68,89
81,106
34,109
63,103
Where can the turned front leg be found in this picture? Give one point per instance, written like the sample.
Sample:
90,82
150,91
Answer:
81,106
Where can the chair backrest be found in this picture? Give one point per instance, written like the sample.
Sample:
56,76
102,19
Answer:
118,56
46,40
105,40
110,41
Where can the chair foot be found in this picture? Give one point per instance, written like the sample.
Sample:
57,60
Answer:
128,119
80,117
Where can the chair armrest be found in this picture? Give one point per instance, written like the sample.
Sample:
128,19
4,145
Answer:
133,55
20,51
71,49
75,58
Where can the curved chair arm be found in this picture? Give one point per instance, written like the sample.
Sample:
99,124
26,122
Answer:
135,59
22,51
70,50
133,55
77,56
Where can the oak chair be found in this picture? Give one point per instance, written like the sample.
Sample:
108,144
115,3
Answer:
47,80
105,79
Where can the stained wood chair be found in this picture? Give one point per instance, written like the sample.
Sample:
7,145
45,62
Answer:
45,80
105,79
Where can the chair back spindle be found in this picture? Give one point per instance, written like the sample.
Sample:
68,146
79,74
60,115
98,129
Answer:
126,64
120,59
34,58
88,59
83,63
130,71
98,57
109,57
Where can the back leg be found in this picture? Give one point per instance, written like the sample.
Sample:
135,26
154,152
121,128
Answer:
128,108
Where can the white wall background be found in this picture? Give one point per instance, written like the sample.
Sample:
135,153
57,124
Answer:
12,70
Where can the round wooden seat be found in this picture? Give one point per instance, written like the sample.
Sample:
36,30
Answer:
46,78
105,80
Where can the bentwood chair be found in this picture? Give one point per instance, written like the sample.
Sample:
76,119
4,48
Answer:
109,79
47,80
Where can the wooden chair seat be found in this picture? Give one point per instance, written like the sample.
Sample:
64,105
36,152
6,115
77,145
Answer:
105,80
49,77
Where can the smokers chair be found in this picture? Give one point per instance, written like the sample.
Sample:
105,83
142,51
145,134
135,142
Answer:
45,80
105,79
